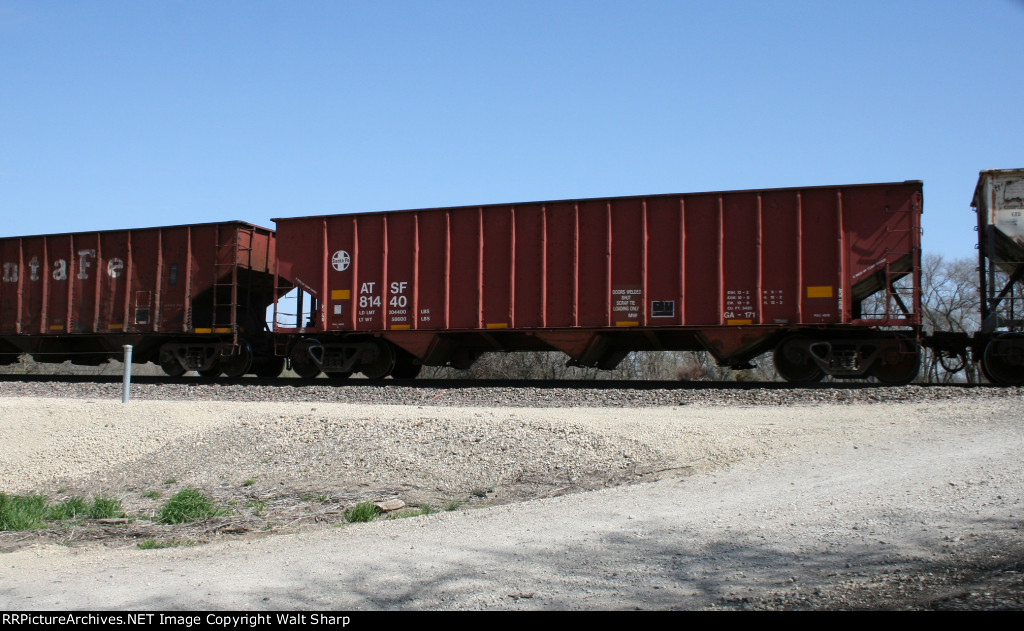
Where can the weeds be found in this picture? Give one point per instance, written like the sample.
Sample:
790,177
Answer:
31,512
426,509
105,508
68,509
22,512
185,506
364,511
154,544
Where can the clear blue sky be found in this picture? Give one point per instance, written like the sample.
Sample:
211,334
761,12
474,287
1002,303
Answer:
129,114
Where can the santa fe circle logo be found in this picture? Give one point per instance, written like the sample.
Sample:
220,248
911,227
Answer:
340,260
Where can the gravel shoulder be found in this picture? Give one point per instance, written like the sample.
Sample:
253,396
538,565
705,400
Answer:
799,504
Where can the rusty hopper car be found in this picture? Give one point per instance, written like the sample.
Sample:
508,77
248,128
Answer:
826,277
999,203
186,297
999,345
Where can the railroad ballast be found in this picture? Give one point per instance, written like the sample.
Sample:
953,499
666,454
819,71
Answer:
829,278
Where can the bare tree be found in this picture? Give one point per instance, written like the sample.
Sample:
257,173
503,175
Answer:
950,301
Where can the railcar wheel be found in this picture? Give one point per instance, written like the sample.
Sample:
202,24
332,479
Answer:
382,364
210,373
985,373
793,362
900,366
169,363
239,363
1003,361
268,367
303,364
172,370
406,366
171,367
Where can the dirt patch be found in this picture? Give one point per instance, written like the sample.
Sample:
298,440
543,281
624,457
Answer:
295,505
275,471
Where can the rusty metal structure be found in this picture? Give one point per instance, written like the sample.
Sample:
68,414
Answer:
998,347
186,297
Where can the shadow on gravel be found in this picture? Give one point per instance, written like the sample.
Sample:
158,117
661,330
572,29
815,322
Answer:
621,572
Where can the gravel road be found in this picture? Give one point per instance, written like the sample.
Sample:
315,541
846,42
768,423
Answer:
909,499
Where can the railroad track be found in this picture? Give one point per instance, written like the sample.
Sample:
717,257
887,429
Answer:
460,384
492,394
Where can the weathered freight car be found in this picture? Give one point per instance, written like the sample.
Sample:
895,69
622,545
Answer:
186,297
999,346
809,273
999,202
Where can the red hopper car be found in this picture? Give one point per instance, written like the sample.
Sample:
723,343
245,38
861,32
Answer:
810,273
186,297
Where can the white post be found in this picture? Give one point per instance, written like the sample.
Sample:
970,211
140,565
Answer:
126,385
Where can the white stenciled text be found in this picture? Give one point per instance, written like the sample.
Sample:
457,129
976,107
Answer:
85,263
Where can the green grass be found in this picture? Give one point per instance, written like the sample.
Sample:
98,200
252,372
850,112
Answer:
31,512
71,508
426,509
257,506
22,512
155,544
249,482
185,506
364,511
153,495
105,508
